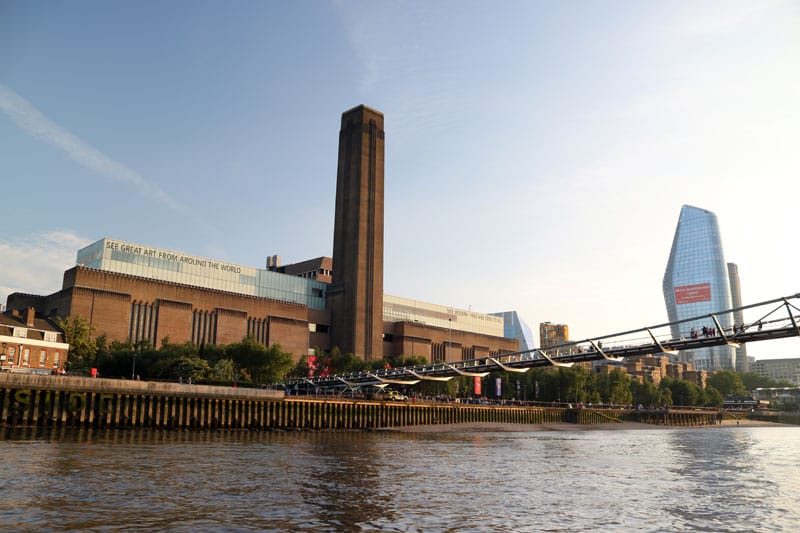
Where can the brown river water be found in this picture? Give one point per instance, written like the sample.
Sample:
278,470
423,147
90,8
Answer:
682,479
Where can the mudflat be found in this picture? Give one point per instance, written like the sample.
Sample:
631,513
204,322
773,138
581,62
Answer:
468,427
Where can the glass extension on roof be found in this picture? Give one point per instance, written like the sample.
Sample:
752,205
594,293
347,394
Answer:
176,267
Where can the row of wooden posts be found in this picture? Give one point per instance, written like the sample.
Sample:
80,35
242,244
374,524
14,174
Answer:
130,410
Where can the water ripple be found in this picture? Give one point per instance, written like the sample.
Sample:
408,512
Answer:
725,479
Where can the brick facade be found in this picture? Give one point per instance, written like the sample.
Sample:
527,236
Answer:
135,309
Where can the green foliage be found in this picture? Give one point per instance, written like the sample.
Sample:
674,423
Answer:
664,396
752,381
246,360
619,389
711,397
300,369
338,362
683,393
82,349
273,367
644,394
727,382
223,370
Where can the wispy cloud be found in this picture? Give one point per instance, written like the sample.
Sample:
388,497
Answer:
35,263
712,17
37,125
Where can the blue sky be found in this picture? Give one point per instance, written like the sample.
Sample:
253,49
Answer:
537,153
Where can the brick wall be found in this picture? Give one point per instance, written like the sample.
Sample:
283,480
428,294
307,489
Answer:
290,333
231,325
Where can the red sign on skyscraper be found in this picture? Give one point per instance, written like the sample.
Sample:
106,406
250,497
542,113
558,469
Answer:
689,294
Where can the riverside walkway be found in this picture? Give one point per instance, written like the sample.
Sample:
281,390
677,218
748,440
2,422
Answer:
74,402
67,401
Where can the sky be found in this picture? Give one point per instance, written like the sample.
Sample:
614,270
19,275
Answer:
537,153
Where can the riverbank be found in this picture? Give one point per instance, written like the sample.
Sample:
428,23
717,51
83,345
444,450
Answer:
479,427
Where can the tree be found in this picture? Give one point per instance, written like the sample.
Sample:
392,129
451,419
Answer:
338,362
644,394
82,349
682,392
753,381
727,382
664,393
710,397
619,388
262,365
274,366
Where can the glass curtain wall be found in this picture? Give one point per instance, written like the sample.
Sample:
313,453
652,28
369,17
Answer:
696,283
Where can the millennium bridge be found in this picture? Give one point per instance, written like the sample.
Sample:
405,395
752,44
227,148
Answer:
56,403
769,320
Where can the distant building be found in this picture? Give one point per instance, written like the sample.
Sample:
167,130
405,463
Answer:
515,328
742,362
696,283
654,368
553,334
779,397
31,344
779,369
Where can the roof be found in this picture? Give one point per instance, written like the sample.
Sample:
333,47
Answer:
8,321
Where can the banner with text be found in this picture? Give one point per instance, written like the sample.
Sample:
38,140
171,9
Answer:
689,294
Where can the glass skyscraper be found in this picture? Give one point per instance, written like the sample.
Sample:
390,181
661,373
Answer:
515,328
696,283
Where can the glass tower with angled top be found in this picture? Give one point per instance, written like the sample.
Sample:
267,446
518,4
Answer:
696,283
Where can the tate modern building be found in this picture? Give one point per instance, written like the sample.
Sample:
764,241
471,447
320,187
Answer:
139,293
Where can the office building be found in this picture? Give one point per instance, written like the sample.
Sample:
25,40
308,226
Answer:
515,328
696,284
779,369
553,334
742,362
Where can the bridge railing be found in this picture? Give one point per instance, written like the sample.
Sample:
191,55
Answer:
771,319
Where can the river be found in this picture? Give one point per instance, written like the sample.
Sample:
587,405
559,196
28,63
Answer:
682,479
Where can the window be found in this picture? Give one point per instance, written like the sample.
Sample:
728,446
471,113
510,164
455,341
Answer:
26,356
11,352
57,359
42,357
22,333
50,336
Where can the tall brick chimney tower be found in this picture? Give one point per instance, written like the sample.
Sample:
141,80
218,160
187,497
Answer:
355,296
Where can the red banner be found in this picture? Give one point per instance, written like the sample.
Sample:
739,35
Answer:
477,385
689,294
312,365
